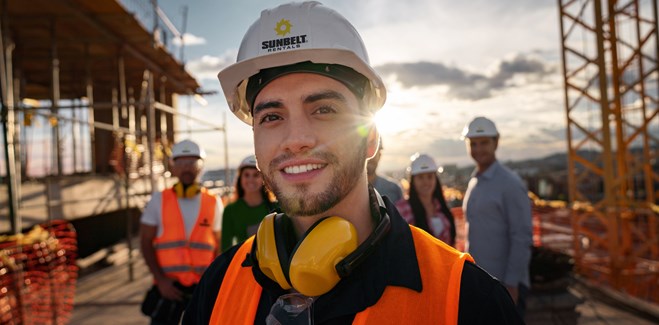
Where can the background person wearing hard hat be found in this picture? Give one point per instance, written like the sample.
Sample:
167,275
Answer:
304,83
498,212
426,206
179,236
242,217
385,186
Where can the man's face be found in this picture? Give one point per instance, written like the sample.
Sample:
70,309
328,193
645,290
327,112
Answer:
482,150
187,169
310,141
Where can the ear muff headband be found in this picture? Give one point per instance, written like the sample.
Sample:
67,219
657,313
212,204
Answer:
184,192
348,264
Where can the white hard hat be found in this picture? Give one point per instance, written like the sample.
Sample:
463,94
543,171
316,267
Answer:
421,163
249,161
187,148
294,33
480,127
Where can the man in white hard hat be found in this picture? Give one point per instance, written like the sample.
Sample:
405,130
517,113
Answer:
180,233
498,210
304,84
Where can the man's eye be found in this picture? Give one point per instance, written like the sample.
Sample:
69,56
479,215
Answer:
269,118
325,110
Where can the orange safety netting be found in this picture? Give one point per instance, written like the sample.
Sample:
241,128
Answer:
38,275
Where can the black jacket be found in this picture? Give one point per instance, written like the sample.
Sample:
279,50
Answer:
483,300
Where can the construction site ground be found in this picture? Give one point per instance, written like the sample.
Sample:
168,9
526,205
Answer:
106,295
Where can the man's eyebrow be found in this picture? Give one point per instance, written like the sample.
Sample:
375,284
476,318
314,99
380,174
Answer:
329,94
265,105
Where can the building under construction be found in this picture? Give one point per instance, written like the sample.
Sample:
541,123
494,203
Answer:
90,100
89,93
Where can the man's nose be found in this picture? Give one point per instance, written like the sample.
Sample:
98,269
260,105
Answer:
300,137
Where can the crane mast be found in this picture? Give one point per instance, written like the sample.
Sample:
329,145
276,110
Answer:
610,56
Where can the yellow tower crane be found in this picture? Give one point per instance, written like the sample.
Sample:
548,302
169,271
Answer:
611,69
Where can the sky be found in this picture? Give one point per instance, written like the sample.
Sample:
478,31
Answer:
443,62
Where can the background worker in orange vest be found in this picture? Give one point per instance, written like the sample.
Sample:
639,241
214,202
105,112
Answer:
338,253
180,235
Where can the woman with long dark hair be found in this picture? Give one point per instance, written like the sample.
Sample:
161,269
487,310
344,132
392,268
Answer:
242,217
426,206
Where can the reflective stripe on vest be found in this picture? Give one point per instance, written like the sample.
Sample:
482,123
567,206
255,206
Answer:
441,271
180,258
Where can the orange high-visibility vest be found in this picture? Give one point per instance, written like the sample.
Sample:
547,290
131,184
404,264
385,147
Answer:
181,258
441,271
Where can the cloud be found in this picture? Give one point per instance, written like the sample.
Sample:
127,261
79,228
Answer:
463,84
447,149
189,40
208,66
554,133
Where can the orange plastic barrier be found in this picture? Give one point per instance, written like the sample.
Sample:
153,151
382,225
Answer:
38,275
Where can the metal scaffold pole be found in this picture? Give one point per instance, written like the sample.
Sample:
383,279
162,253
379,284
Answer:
7,102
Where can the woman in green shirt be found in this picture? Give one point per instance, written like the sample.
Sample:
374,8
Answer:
241,218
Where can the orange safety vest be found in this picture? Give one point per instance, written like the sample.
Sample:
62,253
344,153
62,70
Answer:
181,258
441,271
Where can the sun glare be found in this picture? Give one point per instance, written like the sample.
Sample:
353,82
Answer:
391,120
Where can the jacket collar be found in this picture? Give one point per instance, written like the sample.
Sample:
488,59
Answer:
488,173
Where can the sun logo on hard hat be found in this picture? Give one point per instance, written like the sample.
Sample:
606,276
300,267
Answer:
283,27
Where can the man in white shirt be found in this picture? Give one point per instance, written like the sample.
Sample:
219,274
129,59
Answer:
180,235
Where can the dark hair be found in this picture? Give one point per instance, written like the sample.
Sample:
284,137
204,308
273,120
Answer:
240,191
420,212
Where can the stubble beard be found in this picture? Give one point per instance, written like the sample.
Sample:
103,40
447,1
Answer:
298,202
187,178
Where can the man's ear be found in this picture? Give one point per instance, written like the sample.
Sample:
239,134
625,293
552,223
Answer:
372,142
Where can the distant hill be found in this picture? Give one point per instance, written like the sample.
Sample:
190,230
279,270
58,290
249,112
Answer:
216,175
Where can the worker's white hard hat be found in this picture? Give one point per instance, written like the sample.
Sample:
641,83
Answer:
187,148
480,127
421,163
295,33
249,161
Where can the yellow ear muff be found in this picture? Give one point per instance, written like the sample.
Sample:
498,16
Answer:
192,190
266,252
188,192
312,269
178,189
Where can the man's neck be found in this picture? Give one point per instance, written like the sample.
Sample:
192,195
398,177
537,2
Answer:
482,168
185,186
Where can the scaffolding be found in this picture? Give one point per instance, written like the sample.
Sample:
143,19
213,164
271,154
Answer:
89,102
611,72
